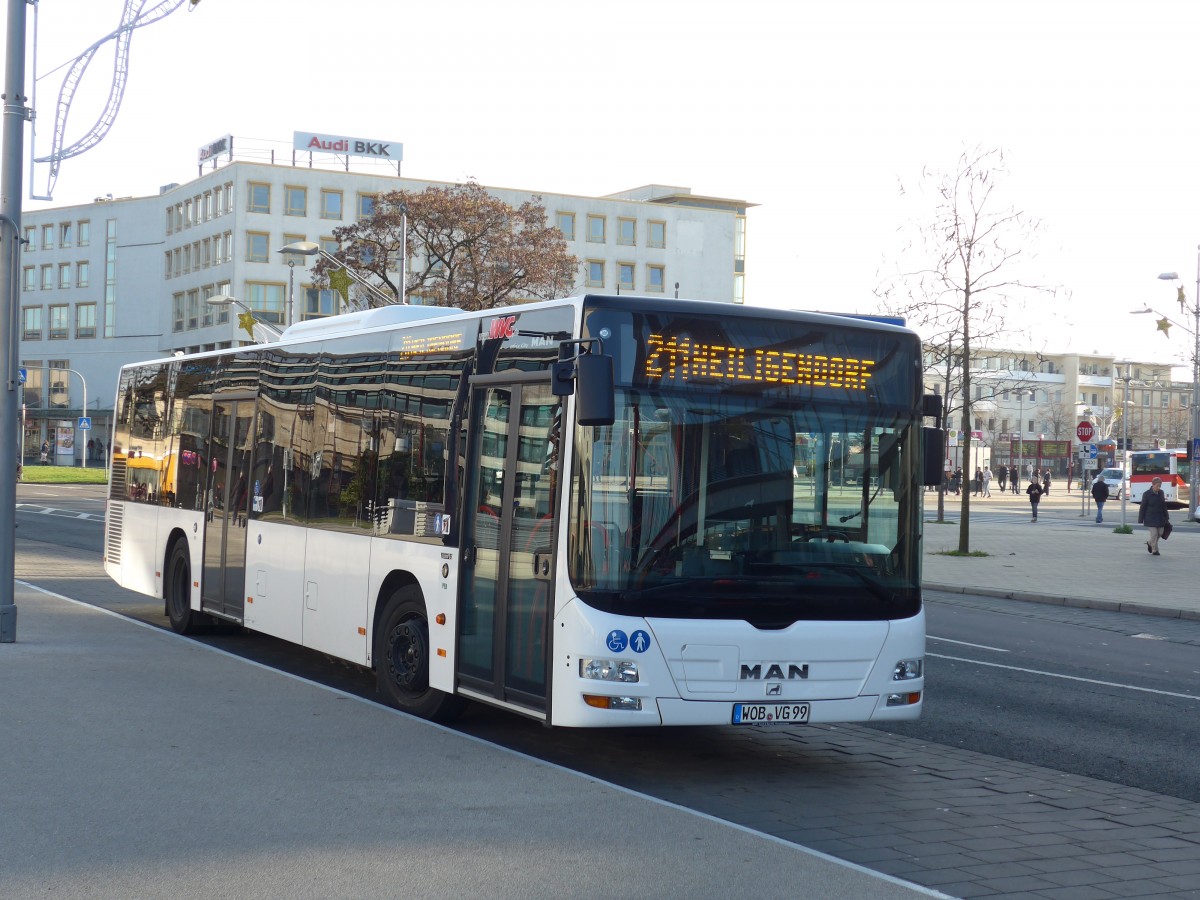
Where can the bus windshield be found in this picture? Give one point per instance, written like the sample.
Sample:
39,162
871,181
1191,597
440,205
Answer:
725,505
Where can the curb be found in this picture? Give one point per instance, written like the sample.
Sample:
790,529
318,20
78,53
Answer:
1075,602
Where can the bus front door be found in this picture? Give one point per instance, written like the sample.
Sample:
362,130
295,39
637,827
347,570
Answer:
228,497
507,596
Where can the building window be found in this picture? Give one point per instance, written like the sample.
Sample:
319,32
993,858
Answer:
32,392
47,278
595,273
29,281
85,320
30,239
60,322
222,311
656,278
206,308
268,301
739,288
193,309
566,224
257,246
739,238
366,206
47,237
66,234
295,201
331,204
625,276
330,245
259,198
177,312
64,275
31,323
658,234
595,232
60,394
627,232
319,303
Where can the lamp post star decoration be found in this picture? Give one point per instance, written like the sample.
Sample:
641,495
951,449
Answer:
247,323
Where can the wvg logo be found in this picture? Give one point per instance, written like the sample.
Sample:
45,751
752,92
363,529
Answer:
775,670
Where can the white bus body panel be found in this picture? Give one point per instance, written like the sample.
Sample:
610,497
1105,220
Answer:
692,672
274,581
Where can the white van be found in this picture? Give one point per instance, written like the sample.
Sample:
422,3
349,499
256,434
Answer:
1115,479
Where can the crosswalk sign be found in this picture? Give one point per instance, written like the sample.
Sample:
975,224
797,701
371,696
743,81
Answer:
85,423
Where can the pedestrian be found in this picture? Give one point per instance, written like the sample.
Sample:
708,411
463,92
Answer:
1046,482
956,481
1014,480
1002,477
1153,514
987,481
977,482
1035,496
1100,495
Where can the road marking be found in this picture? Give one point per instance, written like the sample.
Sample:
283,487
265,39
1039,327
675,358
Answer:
965,644
1113,684
61,513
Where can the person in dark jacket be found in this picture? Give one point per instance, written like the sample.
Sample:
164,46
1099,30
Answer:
1035,495
1152,512
1100,495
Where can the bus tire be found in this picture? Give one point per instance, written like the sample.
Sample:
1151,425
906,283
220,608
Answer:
402,659
177,589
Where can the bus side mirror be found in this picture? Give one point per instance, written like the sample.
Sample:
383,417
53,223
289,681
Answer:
933,441
589,376
931,406
595,390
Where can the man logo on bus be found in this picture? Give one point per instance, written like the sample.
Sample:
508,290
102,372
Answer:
502,328
775,670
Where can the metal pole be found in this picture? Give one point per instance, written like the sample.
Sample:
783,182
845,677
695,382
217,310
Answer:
11,160
1194,474
1124,447
291,310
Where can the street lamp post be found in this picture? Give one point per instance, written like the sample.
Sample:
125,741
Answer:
1194,437
309,248
225,300
1124,379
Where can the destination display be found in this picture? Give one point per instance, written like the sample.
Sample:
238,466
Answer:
672,357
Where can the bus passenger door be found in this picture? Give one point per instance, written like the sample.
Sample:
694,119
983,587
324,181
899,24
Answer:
507,582
227,503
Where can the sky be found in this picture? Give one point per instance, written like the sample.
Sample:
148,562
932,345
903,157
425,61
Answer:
823,114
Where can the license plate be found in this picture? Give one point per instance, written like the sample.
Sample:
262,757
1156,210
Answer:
770,713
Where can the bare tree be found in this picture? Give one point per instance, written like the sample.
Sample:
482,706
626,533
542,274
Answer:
969,249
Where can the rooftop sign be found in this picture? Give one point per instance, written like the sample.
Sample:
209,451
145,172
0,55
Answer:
348,146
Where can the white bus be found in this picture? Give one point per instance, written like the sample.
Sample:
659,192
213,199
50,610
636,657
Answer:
600,511
1172,466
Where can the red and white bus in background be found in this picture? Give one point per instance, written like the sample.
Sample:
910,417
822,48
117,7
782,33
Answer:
1172,466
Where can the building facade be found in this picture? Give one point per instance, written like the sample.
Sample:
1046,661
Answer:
1025,407
123,280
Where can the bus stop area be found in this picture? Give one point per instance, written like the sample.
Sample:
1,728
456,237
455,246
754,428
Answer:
141,764
1066,558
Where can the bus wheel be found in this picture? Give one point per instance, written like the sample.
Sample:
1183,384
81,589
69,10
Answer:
178,589
402,660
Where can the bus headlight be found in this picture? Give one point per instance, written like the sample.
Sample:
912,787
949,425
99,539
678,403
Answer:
907,670
608,670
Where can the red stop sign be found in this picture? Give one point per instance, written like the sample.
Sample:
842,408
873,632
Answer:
1085,431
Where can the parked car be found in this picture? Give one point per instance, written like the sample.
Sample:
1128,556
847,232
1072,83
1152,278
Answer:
1115,479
